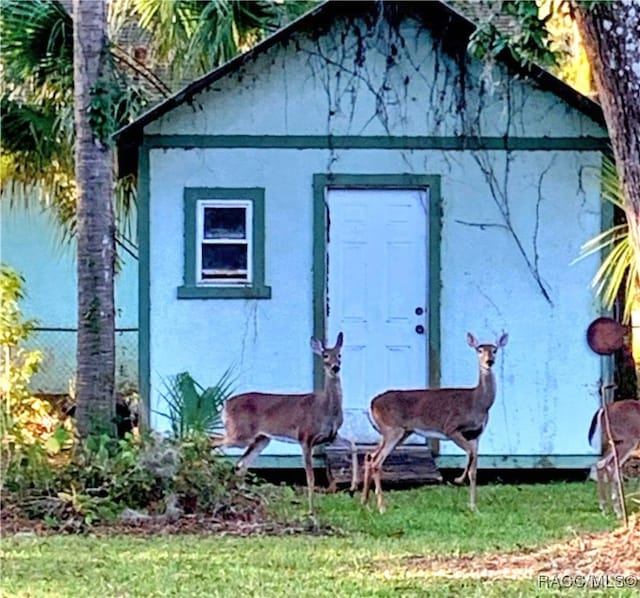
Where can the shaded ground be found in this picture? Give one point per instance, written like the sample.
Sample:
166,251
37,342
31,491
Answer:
610,553
249,518
187,524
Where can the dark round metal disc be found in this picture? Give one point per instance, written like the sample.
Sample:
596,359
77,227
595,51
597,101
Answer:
605,335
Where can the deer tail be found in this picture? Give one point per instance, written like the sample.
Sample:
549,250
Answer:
595,434
373,422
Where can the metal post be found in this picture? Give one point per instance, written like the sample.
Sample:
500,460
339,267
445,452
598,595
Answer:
606,388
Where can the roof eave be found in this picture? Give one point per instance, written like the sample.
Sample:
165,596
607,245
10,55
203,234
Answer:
187,93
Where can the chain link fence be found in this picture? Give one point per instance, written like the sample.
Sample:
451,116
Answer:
58,367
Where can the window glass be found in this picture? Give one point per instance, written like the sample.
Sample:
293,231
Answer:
225,223
220,262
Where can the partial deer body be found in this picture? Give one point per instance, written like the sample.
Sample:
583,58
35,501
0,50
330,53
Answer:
624,422
457,414
252,419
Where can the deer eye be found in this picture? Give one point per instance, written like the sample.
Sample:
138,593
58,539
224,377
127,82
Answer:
325,356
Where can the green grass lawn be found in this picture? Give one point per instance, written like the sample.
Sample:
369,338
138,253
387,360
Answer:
367,560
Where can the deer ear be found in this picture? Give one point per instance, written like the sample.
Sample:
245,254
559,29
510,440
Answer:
339,340
473,342
316,346
502,341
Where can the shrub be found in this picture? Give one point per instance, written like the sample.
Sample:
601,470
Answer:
192,408
204,482
23,416
102,477
28,424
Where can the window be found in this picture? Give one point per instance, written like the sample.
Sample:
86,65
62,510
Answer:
224,244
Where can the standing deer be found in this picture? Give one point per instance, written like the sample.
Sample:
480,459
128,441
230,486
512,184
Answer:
458,414
252,419
624,423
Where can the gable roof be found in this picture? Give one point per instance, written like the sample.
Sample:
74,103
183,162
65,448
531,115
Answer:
434,13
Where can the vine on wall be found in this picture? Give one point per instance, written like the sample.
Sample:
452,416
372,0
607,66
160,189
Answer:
380,60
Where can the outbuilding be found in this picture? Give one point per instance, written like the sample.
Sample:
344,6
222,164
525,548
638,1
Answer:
358,171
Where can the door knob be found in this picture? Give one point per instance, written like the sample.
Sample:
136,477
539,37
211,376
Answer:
419,311
420,329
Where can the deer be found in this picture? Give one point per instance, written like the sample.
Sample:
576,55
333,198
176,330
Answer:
252,419
624,424
457,414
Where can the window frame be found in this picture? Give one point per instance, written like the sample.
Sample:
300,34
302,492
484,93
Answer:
201,207
196,199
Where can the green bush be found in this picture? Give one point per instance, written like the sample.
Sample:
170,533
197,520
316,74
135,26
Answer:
24,417
29,427
114,471
90,483
101,477
204,482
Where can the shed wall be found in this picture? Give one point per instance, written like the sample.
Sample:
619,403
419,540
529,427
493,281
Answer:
547,377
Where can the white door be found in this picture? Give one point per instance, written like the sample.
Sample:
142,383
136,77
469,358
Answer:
377,295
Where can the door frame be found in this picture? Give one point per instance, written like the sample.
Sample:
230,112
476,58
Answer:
321,184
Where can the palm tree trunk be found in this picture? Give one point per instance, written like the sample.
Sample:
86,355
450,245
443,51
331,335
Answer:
610,33
95,377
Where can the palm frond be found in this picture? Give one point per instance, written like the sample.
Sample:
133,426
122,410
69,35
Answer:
37,157
170,25
37,42
126,207
193,409
36,131
193,37
36,160
610,184
618,269
605,239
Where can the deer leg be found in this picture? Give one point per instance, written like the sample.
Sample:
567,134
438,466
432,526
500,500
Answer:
602,471
395,437
471,448
253,450
625,450
342,441
616,498
473,470
463,476
366,481
368,470
332,488
308,468
465,445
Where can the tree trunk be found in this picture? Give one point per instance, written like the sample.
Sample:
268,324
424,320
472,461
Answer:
611,33
95,377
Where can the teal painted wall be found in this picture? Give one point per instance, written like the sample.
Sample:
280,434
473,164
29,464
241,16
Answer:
30,242
340,83
486,287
